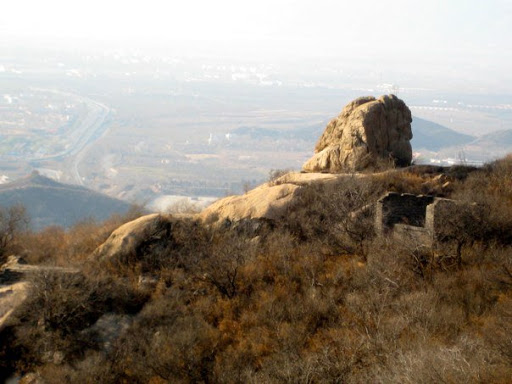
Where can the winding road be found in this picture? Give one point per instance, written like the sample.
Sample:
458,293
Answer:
88,129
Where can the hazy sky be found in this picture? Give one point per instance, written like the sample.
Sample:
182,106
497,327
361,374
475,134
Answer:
472,33
470,23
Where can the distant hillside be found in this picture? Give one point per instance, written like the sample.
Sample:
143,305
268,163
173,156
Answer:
433,137
426,134
308,133
51,203
499,139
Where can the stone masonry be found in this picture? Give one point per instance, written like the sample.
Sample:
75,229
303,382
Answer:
409,217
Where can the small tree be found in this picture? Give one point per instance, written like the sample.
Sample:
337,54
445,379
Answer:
352,211
275,174
221,267
462,224
13,221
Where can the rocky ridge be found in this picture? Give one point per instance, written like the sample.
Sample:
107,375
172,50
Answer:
269,201
367,130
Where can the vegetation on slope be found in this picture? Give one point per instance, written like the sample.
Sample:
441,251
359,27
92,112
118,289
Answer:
314,298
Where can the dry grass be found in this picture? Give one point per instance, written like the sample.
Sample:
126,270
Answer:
298,301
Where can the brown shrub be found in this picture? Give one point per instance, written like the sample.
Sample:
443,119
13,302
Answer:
13,221
275,174
59,307
339,215
294,302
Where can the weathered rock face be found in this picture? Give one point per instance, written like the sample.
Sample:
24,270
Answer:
126,242
264,202
269,201
366,131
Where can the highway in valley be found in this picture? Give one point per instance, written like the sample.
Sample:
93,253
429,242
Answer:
88,128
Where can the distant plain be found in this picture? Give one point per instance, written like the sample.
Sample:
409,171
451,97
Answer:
141,128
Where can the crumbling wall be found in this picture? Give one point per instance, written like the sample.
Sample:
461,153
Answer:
395,208
411,218
417,236
433,218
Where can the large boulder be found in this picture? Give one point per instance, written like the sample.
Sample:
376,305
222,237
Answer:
128,241
367,131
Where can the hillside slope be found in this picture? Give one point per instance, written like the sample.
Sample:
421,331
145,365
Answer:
500,139
426,134
52,203
433,137
299,298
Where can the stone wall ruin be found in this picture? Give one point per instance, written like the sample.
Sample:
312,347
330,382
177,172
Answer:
409,217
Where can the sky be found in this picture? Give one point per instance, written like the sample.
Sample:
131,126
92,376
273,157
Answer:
472,34
469,23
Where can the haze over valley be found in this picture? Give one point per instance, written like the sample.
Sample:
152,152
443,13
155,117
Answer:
138,127
152,111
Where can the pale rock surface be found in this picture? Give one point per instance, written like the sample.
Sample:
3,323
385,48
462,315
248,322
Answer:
126,239
366,131
268,201
11,297
264,202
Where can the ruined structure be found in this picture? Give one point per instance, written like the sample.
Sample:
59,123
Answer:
410,217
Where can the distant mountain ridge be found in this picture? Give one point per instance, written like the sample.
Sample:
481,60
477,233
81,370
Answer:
307,133
433,137
498,139
49,202
426,134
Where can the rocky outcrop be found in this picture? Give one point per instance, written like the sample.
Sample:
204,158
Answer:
250,214
367,131
266,201
127,241
269,201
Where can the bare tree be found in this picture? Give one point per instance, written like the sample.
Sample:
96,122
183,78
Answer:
462,224
353,211
221,266
13,221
